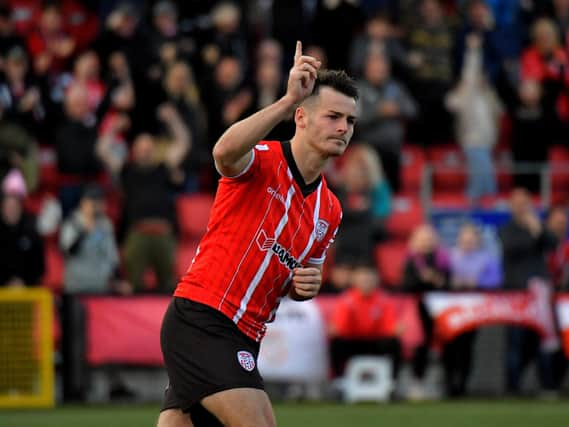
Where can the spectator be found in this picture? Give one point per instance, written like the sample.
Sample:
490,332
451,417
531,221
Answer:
22,115
169,43
8,36
182,92
123,47
558,258
525,243
366,202
226,37
20,96
88,242
123,33
558,266
116,122
384,106
546,62
229,97
21,252
500,43
560,14
430,45
378,35
478,111
86,72
426,268
267,87
75,141
364,322
333,27
148,181
471,267
532,120
50,46
338,278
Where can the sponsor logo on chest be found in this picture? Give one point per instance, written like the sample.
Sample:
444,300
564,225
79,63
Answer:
266,243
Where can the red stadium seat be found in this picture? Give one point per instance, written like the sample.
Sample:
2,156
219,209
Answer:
390,258
558,154
48,173
413,161
559,162
406,214
193,214
449,168
54,267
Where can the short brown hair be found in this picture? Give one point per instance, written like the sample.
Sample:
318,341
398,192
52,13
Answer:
338,80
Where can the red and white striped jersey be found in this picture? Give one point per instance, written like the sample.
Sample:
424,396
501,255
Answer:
264,223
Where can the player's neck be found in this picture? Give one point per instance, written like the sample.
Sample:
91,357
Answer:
310,163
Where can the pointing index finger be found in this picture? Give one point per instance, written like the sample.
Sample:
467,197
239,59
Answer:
298,52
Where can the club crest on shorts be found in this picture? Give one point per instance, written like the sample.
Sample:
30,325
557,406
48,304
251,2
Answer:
246,360
321,229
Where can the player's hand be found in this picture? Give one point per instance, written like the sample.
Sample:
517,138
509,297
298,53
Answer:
302,76
306,282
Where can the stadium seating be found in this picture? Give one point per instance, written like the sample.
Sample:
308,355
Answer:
389,258
413,161
559,162
193,214
54,267
184,254
449,168
406,214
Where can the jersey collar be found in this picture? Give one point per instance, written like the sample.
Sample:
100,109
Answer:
306,189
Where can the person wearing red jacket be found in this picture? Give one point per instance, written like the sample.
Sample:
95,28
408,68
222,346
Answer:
364,322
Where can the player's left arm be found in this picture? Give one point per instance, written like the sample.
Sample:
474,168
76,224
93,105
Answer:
306,282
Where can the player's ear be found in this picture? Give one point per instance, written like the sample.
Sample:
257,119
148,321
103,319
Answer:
300,117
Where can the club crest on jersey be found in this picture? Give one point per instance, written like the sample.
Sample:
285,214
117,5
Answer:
321,229
266,243
246,360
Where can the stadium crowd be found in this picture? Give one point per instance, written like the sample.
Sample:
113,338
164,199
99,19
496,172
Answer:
109,111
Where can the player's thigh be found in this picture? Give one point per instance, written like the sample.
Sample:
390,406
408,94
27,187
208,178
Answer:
174,418
241,407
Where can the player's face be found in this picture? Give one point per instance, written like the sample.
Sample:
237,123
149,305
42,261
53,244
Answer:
330,122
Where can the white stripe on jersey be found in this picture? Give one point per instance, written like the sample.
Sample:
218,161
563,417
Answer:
265,264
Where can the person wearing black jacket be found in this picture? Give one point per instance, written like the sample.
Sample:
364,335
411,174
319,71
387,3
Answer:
525,243
426,268
21,252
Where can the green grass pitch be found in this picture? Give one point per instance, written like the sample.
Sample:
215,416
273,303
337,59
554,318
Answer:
522,413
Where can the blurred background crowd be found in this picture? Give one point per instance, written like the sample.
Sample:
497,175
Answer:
109,111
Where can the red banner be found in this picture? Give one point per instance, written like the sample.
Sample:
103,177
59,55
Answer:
127,329
562,307
124,329
456,313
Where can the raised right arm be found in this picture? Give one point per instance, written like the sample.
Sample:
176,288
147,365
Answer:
232,152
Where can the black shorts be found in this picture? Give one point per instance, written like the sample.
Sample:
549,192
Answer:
204,353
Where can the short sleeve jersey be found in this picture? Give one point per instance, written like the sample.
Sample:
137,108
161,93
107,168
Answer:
264,223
